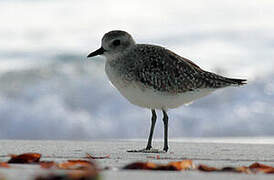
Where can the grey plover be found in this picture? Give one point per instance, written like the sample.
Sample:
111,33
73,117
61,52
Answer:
154,77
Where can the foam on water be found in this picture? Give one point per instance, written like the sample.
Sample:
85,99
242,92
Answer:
75,101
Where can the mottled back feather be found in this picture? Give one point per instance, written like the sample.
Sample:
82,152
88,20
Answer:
165,71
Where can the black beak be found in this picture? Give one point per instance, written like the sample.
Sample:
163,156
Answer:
97,52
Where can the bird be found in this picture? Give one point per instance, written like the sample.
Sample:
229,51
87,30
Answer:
154,77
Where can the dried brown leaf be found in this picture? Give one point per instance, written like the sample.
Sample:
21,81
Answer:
26,158
89,156
4,165
76,165
172,166
267,171
47,164
206,168
241,169
141,166
182,165
258,167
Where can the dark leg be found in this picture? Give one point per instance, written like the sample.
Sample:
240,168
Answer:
165,119
149,148
153,121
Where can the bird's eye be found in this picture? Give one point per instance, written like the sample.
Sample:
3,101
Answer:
116,42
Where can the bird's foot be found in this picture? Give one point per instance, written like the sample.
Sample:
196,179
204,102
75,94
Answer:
147,151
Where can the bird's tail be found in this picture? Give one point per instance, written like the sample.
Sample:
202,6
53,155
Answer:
218,81
237,81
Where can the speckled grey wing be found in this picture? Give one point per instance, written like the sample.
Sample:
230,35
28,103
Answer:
165,71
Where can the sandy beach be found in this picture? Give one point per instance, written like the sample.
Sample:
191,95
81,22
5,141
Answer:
218,154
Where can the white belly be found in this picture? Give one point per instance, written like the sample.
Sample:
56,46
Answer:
150,98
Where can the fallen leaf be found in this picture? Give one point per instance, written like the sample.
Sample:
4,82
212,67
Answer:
244,169
141,166
76,164
268,171
47,164
89,156
172,166
4,165
26,158
241,169
182,165
257,167
206,168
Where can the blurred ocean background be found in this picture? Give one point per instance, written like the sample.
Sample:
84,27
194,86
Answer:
49,90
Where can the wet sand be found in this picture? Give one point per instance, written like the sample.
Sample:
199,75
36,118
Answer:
211,153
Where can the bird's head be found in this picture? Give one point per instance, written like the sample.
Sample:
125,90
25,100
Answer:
113,43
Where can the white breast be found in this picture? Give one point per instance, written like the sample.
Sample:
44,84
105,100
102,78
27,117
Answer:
149,98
